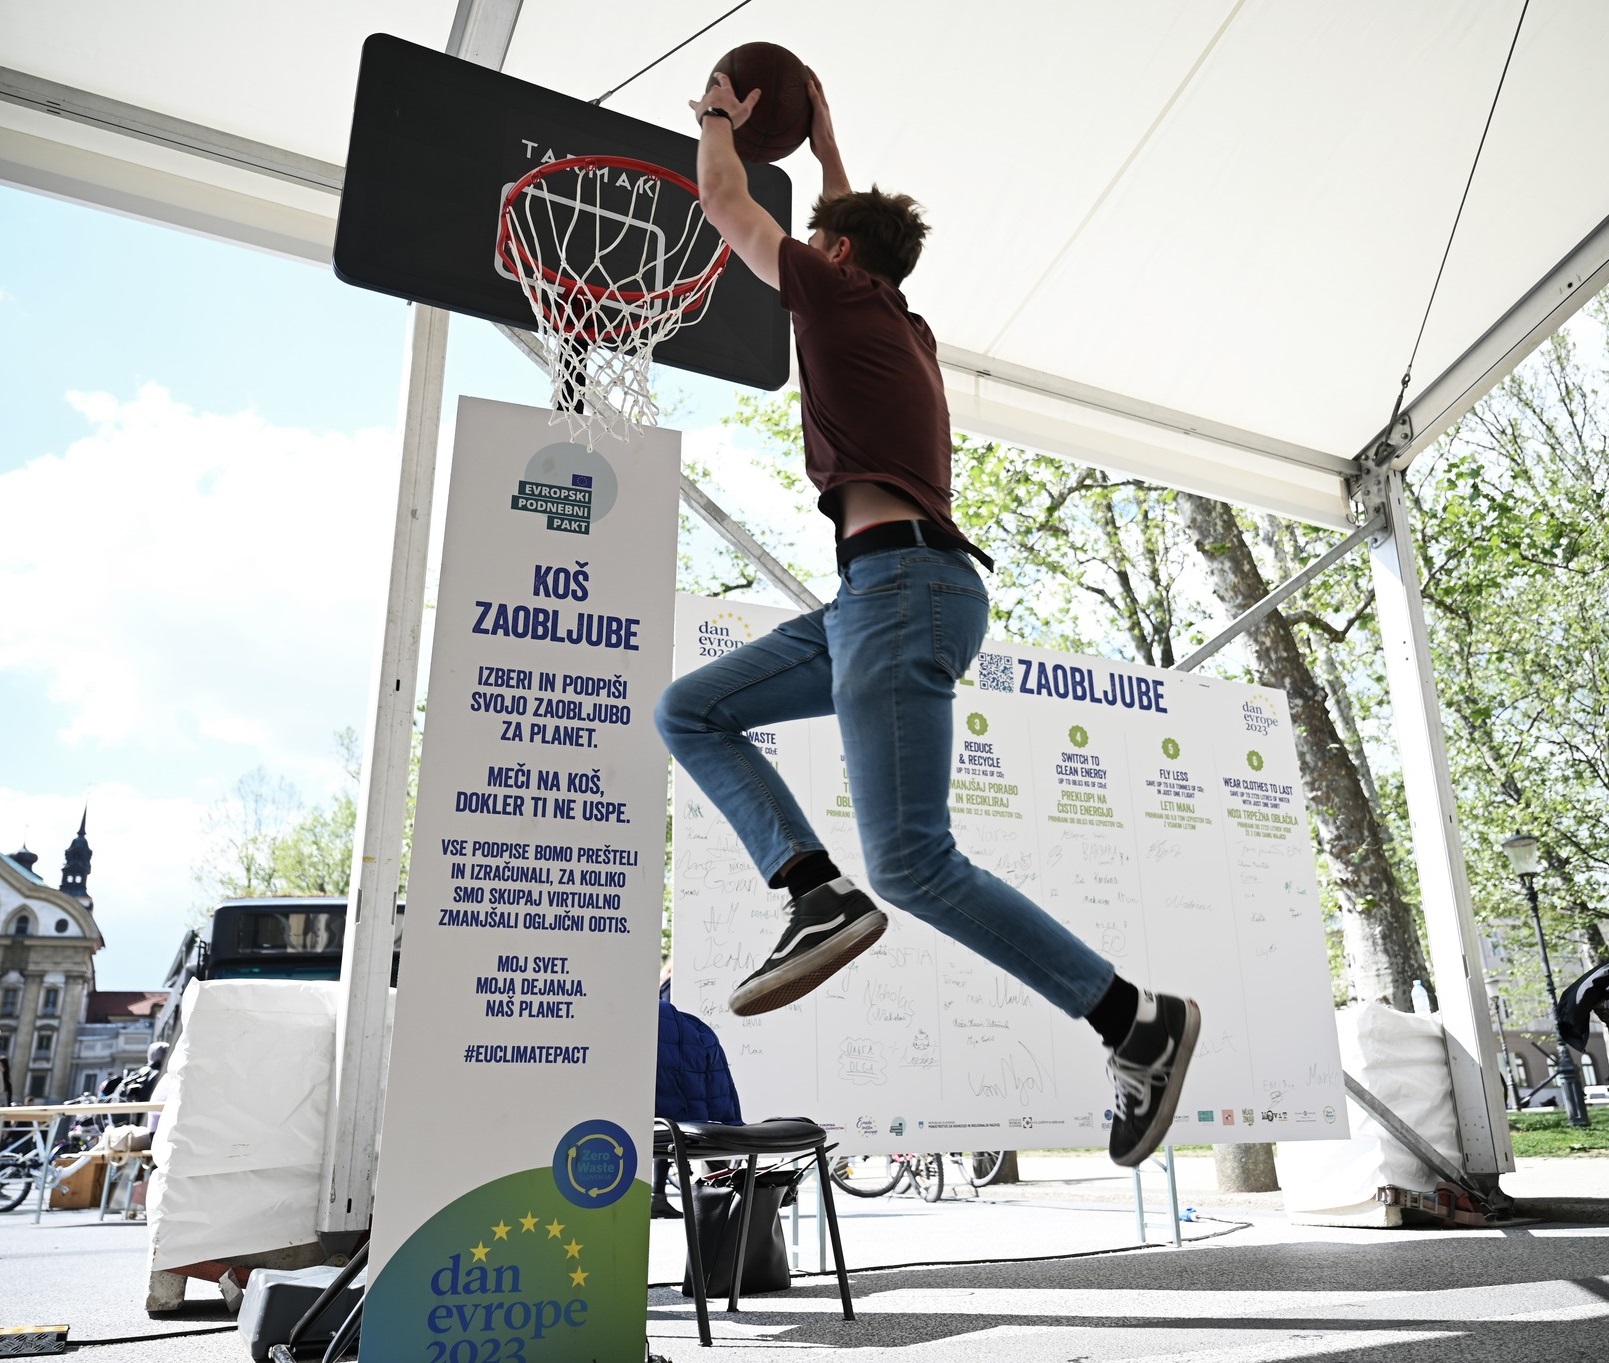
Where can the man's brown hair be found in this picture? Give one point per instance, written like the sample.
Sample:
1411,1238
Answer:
886,230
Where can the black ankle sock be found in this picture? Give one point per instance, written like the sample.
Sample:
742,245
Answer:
811,870
1114,1015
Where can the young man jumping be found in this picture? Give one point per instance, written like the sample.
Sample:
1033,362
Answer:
886,654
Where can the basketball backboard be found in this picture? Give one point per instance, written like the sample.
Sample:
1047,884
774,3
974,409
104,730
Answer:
437,142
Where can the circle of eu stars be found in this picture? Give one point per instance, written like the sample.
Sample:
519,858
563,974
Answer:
531,1224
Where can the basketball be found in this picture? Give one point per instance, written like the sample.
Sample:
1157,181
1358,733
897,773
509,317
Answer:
780,122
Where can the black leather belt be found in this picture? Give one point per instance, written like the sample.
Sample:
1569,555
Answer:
906,535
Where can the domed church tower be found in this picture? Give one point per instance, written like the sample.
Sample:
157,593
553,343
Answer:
75,869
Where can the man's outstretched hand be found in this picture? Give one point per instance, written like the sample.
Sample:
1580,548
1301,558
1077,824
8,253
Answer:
721,95
824,141
822,137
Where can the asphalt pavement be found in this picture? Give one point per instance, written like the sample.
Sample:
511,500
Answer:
1049,1270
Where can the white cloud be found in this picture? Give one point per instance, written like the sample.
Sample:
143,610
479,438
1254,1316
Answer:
195,585
139,876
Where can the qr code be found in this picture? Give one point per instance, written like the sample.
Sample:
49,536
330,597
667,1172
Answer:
994,672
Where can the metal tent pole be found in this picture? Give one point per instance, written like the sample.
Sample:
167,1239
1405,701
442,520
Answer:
480,33
1173,1198
362,1040
1443,880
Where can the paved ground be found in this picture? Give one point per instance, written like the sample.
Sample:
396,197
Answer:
1246,1288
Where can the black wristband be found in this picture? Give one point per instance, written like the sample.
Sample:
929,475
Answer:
719,113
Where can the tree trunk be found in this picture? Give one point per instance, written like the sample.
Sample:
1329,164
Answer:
1383,954
1245,1168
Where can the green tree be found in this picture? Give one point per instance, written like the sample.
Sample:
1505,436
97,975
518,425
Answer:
261,840
1510,524
242,831
1381,947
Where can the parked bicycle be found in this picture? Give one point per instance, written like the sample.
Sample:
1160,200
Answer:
17,1177
22,1169
921,1174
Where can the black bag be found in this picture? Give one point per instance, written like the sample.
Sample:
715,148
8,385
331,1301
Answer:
717,1217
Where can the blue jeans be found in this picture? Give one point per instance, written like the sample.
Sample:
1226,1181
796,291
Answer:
884,657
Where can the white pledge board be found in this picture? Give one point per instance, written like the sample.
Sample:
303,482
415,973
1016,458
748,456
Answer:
1157,815
511,1214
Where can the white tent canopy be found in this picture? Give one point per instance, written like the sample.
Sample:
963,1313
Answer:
1192,241
1189,239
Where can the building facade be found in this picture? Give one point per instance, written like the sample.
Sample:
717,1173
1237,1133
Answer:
48,941
116,1034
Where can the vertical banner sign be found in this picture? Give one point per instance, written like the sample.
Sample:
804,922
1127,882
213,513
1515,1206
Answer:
511,1215
1158,815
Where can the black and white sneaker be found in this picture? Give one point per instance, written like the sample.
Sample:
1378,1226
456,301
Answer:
1148,1072
829,926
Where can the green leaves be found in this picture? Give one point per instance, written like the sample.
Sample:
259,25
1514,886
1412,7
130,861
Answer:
1510,522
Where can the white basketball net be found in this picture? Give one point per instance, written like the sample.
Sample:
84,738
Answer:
605,281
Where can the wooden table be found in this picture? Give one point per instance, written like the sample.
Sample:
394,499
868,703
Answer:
42,1117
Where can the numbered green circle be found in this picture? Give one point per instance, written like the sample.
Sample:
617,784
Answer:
1078,736
1170,748
977,725
1254,760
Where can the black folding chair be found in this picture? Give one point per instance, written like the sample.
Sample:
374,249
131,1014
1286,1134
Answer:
779,1138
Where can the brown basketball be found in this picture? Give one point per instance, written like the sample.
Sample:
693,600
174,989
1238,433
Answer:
780,122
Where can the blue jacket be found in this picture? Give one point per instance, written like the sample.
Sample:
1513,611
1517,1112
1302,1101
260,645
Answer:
693,1082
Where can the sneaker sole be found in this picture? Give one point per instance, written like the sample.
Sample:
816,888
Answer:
799,976
1170,1095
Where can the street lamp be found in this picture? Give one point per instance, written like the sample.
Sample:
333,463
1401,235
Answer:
1522,853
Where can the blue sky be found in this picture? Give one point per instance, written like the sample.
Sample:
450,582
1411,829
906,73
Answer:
197,470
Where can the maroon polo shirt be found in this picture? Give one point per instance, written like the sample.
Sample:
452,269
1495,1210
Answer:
871,398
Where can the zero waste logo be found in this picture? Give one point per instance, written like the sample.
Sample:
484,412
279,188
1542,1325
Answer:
594,1164
572,486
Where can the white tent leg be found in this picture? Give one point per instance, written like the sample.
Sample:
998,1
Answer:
361,1038
1443,882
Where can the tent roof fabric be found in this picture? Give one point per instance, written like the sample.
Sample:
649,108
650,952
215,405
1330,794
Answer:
1188,239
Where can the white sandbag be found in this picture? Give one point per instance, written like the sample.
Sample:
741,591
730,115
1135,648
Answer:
241,1145
1401,1058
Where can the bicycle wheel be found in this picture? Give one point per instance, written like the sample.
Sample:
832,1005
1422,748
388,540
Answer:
984,1166
865,1175
16,1182
927,1176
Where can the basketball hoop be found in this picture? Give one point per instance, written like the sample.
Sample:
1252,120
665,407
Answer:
590,241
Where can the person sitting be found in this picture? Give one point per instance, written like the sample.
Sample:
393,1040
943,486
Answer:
692,1083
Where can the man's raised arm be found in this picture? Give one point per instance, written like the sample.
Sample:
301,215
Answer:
723,183
824,143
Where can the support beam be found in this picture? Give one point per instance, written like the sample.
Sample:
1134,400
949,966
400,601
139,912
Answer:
1570,285
740,539
362,1040
1443,881
1286,589
163,130
1410,1139
999,400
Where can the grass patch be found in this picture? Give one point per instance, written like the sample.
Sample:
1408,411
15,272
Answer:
1547,1131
